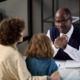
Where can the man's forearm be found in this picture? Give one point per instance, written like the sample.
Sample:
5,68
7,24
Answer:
72,52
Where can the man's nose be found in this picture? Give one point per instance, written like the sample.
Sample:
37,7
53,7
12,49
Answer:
60,25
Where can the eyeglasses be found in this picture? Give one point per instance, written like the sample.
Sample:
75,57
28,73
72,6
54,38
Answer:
62,21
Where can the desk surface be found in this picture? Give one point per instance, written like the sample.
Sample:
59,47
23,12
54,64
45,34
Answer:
69,73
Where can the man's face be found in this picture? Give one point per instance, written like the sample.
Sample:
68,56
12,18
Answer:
62,22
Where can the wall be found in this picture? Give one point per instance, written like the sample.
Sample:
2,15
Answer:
16,8
73,5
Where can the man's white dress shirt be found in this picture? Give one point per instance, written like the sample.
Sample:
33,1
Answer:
72,52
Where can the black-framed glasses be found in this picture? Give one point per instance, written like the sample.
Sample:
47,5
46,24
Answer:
62,21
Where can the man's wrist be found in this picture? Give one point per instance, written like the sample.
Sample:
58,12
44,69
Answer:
56,47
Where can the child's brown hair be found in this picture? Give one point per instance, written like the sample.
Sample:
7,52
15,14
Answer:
40,46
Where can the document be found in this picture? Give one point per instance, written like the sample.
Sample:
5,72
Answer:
74,75
68,64
60,63
72,64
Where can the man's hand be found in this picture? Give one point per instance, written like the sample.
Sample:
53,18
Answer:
61,42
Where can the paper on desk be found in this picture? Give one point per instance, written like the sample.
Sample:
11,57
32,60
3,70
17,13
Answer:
68,64
75,73
60,64
72,64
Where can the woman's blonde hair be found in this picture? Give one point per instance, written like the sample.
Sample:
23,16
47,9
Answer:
40,46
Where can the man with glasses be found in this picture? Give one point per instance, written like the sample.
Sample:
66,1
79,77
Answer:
65,36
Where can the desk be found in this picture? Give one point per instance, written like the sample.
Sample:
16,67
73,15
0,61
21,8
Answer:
69,73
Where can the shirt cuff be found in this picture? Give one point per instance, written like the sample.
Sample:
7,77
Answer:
55,50
68,49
